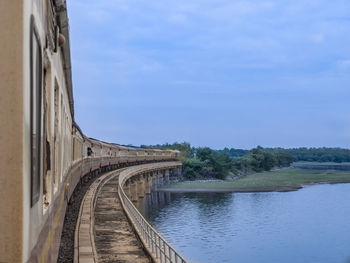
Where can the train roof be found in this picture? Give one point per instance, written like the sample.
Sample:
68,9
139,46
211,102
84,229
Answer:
113,144
62,17
127,147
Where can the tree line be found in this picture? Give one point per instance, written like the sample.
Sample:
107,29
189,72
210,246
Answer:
203,162
322,154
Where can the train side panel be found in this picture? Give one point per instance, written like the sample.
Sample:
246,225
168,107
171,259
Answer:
46,154
13,173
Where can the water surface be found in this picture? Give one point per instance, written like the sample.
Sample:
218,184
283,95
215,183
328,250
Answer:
309,225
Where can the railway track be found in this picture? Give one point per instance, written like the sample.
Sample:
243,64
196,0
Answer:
103,232
114,237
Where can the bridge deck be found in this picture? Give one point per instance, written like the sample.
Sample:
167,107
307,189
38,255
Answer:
115,240
103,232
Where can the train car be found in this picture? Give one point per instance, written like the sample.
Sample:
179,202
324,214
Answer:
36,124
44,152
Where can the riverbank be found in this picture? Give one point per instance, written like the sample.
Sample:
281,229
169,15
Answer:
322,166
275,181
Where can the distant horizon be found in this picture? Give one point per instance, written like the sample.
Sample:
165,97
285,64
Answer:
222,74
219,148
308,147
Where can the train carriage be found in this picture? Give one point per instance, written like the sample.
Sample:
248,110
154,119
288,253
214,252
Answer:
45,154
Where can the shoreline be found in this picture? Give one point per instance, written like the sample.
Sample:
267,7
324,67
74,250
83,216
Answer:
248,190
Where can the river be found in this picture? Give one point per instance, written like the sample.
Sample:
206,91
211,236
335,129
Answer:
308,225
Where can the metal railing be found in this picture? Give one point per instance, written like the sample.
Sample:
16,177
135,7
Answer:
160,250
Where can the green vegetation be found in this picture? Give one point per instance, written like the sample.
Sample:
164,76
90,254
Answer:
185,148
323,154
234,152
279,180
258,160
206,163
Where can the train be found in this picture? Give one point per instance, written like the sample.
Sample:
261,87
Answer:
44,152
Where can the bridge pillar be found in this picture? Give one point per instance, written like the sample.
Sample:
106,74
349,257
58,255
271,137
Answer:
166,177
160,178
141,186
154,181
148,183
133,190
175,175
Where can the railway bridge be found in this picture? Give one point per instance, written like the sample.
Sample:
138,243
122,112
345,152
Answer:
109,227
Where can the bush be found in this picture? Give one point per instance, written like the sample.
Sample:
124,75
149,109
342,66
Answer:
192,168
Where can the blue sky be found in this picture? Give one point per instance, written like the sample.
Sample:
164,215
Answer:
213,73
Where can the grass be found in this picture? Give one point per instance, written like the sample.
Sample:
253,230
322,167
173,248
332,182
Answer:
280,180
323,163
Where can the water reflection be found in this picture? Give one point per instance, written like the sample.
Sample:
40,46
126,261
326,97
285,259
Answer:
153,201
310,225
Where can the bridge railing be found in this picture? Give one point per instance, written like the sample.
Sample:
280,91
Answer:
156,245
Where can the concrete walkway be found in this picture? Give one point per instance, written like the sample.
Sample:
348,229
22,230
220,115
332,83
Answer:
103,233
115,240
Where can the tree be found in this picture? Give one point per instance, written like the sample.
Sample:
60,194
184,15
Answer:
217,164
284,159
192,168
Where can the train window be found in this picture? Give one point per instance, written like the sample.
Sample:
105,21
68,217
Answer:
35,110
89,151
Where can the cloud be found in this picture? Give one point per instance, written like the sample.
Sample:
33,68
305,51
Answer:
209,58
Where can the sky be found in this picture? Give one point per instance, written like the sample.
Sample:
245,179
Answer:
220,73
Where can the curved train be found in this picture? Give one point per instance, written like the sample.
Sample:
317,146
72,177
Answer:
45,154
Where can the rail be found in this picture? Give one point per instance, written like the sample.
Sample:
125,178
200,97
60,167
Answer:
156,245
